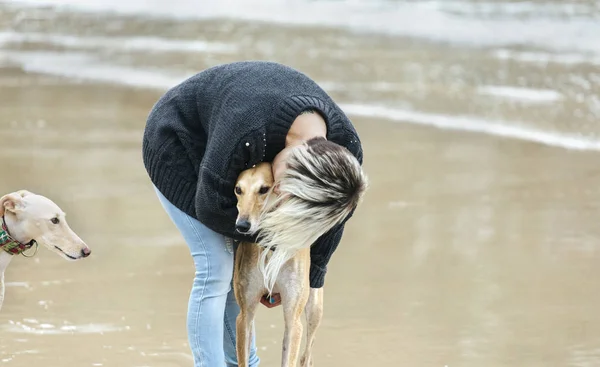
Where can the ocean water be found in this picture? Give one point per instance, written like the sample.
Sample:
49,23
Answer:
555,25
525,70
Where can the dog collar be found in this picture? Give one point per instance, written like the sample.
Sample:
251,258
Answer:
10,245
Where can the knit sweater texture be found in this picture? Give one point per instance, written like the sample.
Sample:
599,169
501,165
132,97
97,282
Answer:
202,133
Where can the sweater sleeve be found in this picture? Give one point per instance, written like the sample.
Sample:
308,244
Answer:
321,251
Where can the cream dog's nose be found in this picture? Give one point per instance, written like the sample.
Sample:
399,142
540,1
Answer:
86,252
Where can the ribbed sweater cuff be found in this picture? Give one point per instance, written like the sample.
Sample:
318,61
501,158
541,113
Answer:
294,106
287,112
317,276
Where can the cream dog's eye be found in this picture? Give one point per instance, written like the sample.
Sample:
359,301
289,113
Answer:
263,190
238,190
55,220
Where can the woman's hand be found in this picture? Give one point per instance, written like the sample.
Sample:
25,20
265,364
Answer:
270,302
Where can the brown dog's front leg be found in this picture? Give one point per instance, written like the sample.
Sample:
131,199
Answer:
242,342
248,287
293,300
291,340
314,314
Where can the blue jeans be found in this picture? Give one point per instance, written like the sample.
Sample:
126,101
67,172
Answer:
212,308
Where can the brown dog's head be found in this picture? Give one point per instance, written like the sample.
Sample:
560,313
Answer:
251,190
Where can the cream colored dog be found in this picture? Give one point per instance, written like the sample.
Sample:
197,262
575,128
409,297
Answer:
28,220
292,282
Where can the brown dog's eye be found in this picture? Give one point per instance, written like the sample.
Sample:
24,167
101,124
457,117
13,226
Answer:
263,190
55,220
238,190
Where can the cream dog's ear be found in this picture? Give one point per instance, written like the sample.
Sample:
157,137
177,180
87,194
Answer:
24,193
12,202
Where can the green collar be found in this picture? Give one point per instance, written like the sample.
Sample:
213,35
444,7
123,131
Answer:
10,245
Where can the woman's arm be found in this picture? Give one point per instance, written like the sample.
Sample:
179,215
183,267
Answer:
325,246
321,252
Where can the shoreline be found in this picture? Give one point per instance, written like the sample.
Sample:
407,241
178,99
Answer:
444,122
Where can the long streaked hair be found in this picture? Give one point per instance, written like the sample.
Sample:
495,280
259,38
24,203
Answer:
322,184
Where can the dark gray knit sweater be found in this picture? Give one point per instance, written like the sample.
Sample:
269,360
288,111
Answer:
205,131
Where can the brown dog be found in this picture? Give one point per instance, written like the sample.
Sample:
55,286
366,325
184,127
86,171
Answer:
292,283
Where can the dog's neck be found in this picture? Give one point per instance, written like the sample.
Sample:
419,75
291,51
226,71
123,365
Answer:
5,256
11,224
10,245
5,259
12,242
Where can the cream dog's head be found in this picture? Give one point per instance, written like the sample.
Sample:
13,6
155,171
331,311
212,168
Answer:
34,217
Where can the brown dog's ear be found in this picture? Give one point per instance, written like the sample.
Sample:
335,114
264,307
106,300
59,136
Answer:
275,188
11,202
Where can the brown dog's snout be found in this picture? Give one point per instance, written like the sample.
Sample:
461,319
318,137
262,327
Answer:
85,252
243,225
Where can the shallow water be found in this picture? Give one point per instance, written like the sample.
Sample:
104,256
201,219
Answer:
477,244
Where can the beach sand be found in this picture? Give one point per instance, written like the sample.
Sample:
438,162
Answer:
469,250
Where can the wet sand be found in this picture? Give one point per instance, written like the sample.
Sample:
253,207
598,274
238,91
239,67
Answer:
469,250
